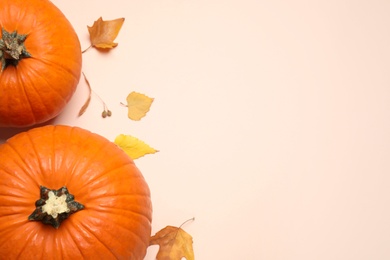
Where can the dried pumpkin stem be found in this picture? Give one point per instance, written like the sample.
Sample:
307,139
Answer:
12,48
54,206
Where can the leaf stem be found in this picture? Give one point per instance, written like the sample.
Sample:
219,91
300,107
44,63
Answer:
89,47
106,112
188,220
182,224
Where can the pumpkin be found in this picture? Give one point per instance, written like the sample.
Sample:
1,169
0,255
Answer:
41,60
68,193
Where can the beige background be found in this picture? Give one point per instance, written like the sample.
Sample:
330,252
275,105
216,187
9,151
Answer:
272,119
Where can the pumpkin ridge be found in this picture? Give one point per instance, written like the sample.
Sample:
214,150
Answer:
23,91
73,170
9,235
109,235
10,173
11,145
23,248
49,86
106,172
9,195
84,170
59,66
33,84
66,154
13,214
133,210
109,172
36,155
141,217
8,232
28,97
70,234
92,233
131,195
69,153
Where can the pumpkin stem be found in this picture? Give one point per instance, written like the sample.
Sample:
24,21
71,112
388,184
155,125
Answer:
54,206
12,48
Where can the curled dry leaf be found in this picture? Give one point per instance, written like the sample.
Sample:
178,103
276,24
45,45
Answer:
174,243
103,33
138,105
133,147
106,112
86,104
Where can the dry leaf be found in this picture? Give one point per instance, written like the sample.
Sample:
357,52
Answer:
106,112
103,33
86,104
174,244
133,147
138,105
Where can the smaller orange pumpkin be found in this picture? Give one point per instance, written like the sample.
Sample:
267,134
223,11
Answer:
66,193
40,58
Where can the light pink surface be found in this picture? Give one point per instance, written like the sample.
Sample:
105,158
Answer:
272,119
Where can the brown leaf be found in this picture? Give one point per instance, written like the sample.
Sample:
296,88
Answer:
86,104
103,33
174,244
106,112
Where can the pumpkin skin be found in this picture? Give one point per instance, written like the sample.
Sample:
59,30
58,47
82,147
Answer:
37,89
116,220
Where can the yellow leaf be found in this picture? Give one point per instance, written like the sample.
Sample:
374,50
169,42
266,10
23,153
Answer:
133,147
174,244
138,105
103,33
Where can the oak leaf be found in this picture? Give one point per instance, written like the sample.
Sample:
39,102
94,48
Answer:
133,147
174,244
103,33
138,105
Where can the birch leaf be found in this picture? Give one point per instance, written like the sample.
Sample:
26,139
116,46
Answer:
103,33
133,147
174,244
138,105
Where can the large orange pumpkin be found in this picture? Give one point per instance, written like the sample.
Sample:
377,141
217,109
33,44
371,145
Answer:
40,58
107,216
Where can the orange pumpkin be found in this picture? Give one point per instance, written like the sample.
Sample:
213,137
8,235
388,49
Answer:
108,215
40,58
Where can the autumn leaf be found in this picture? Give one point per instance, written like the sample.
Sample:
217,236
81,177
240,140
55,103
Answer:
106,112
138,105
133,147
174,243
86,104
103,33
